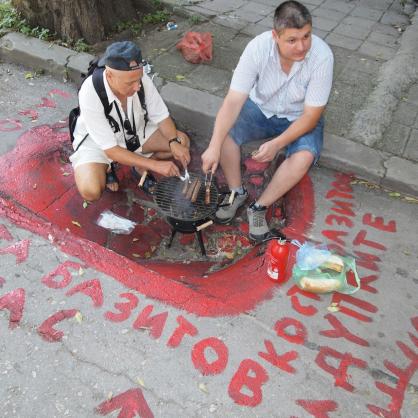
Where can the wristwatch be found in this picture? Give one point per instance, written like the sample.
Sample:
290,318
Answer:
176,139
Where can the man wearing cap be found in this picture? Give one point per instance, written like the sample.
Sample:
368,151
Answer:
143,137
278,93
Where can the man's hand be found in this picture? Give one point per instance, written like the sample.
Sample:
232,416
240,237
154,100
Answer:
166,168
210,159
267,152
180,153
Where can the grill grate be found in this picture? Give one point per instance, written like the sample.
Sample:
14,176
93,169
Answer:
172,202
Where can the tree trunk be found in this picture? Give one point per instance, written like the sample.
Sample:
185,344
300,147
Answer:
75,19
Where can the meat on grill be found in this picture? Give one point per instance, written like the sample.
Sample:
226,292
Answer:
196,191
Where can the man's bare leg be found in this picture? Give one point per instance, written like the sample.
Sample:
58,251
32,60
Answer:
231,162
90,180
289,173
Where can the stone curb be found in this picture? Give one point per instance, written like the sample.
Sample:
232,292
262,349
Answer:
395,76
196,110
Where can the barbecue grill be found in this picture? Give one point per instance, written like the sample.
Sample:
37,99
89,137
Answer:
183,215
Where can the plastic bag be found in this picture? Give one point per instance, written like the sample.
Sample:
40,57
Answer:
116,224
196,47
330,275
309,256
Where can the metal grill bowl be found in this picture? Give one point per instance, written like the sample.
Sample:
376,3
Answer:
173,204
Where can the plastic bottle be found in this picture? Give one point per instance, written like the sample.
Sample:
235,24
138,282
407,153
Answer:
278,255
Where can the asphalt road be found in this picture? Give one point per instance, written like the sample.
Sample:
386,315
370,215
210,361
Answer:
80,340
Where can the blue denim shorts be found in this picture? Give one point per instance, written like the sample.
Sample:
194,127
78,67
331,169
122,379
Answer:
253,125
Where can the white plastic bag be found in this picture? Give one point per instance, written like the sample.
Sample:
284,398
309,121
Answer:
114,223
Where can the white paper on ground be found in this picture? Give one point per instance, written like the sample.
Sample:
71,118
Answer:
116,224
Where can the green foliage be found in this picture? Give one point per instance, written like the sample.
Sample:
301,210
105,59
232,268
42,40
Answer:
195,19
160,16
81,46
134,26
11,19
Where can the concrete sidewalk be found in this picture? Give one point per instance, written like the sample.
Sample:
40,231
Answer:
372,115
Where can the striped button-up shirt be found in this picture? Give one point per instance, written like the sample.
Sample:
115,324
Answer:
259,74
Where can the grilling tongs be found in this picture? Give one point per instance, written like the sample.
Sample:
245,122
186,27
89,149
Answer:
208,182
186,176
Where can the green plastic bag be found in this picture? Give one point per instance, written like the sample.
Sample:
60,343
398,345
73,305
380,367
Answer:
325,280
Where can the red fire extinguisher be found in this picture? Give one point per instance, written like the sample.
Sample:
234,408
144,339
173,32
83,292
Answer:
278,255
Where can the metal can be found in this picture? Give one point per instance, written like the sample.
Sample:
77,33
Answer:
278,255
171,25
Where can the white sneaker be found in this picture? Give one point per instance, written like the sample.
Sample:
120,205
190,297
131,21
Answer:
226,213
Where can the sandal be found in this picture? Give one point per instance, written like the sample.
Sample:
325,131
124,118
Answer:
149,184
111,176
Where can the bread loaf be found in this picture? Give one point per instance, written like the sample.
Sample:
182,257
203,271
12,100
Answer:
319,285
333,262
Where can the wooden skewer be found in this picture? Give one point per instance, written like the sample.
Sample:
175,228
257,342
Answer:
205,225
143,177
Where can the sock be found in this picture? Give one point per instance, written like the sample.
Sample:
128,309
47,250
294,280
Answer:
239,190
256,206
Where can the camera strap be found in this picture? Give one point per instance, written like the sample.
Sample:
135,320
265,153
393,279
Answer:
123,125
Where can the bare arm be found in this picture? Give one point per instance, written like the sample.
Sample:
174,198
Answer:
167,128
125,157
305,123
180,151
225,120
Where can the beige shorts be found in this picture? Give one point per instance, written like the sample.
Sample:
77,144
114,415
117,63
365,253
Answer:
90,152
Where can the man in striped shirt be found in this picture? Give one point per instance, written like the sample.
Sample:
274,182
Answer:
278,93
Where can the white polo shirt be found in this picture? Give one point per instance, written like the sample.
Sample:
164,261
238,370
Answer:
92,119
259,74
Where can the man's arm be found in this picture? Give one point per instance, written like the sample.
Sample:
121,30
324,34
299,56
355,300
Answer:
305,123
225,120
180,151
123,156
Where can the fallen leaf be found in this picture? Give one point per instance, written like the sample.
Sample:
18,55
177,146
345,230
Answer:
135,239
229,256
411,199
85,204
76,223
135,255
333,308
140,382
180,77
65,173
147,254
28,76
394,194
78,317
203,388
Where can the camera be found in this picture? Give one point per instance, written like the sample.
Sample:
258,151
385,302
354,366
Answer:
132,143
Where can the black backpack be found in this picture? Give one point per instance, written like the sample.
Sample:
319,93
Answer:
97,73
